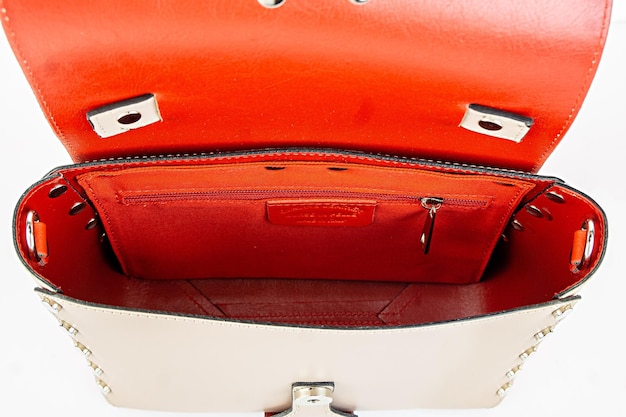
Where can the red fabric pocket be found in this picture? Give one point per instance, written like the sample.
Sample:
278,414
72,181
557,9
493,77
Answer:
245,221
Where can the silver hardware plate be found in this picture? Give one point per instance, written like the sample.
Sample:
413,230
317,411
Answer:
497,123
120,117
312,399
31,218
590,227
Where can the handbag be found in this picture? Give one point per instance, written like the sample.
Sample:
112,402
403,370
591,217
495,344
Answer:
317,200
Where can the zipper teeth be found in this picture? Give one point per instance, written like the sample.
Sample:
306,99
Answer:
466,202
308,151
262,194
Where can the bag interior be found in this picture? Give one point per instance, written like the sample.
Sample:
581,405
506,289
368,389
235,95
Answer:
316,239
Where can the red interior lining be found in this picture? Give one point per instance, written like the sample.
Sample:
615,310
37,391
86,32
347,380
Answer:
309,301
530,267
302,221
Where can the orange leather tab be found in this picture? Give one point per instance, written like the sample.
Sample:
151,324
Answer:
338,213
40,232
578,249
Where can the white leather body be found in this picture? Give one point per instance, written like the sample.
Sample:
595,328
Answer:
158,361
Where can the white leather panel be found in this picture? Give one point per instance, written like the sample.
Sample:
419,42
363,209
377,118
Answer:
180,363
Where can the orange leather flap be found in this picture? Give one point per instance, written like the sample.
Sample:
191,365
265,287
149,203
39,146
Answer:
394,76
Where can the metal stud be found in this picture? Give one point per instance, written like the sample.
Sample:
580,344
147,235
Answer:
528,353
69,328
82,348
51,305
96,369
561,312
513,371
545,332
504,389
106,390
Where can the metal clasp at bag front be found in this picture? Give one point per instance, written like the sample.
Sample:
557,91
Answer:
312,399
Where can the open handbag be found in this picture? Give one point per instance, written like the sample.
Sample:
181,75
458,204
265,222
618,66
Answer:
300,197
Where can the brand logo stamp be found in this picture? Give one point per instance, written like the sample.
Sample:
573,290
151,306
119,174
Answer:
340,213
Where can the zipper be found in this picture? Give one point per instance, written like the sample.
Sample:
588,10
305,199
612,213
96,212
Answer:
264,194
432,204
260,195
321,152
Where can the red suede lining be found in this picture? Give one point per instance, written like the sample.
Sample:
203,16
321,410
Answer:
212,221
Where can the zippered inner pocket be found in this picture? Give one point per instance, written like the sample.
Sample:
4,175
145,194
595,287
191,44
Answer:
245,221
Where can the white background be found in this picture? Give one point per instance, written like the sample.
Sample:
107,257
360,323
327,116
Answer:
580,370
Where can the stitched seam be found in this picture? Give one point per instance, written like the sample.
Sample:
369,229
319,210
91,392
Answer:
397,312
331,323
225,323
112,237
301,302
309,315
507,215
519,133
183,287
393,310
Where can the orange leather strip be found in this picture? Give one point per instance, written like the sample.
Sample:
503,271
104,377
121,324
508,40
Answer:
40,232
578,248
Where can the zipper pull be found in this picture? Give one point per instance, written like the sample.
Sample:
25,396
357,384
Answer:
432,204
